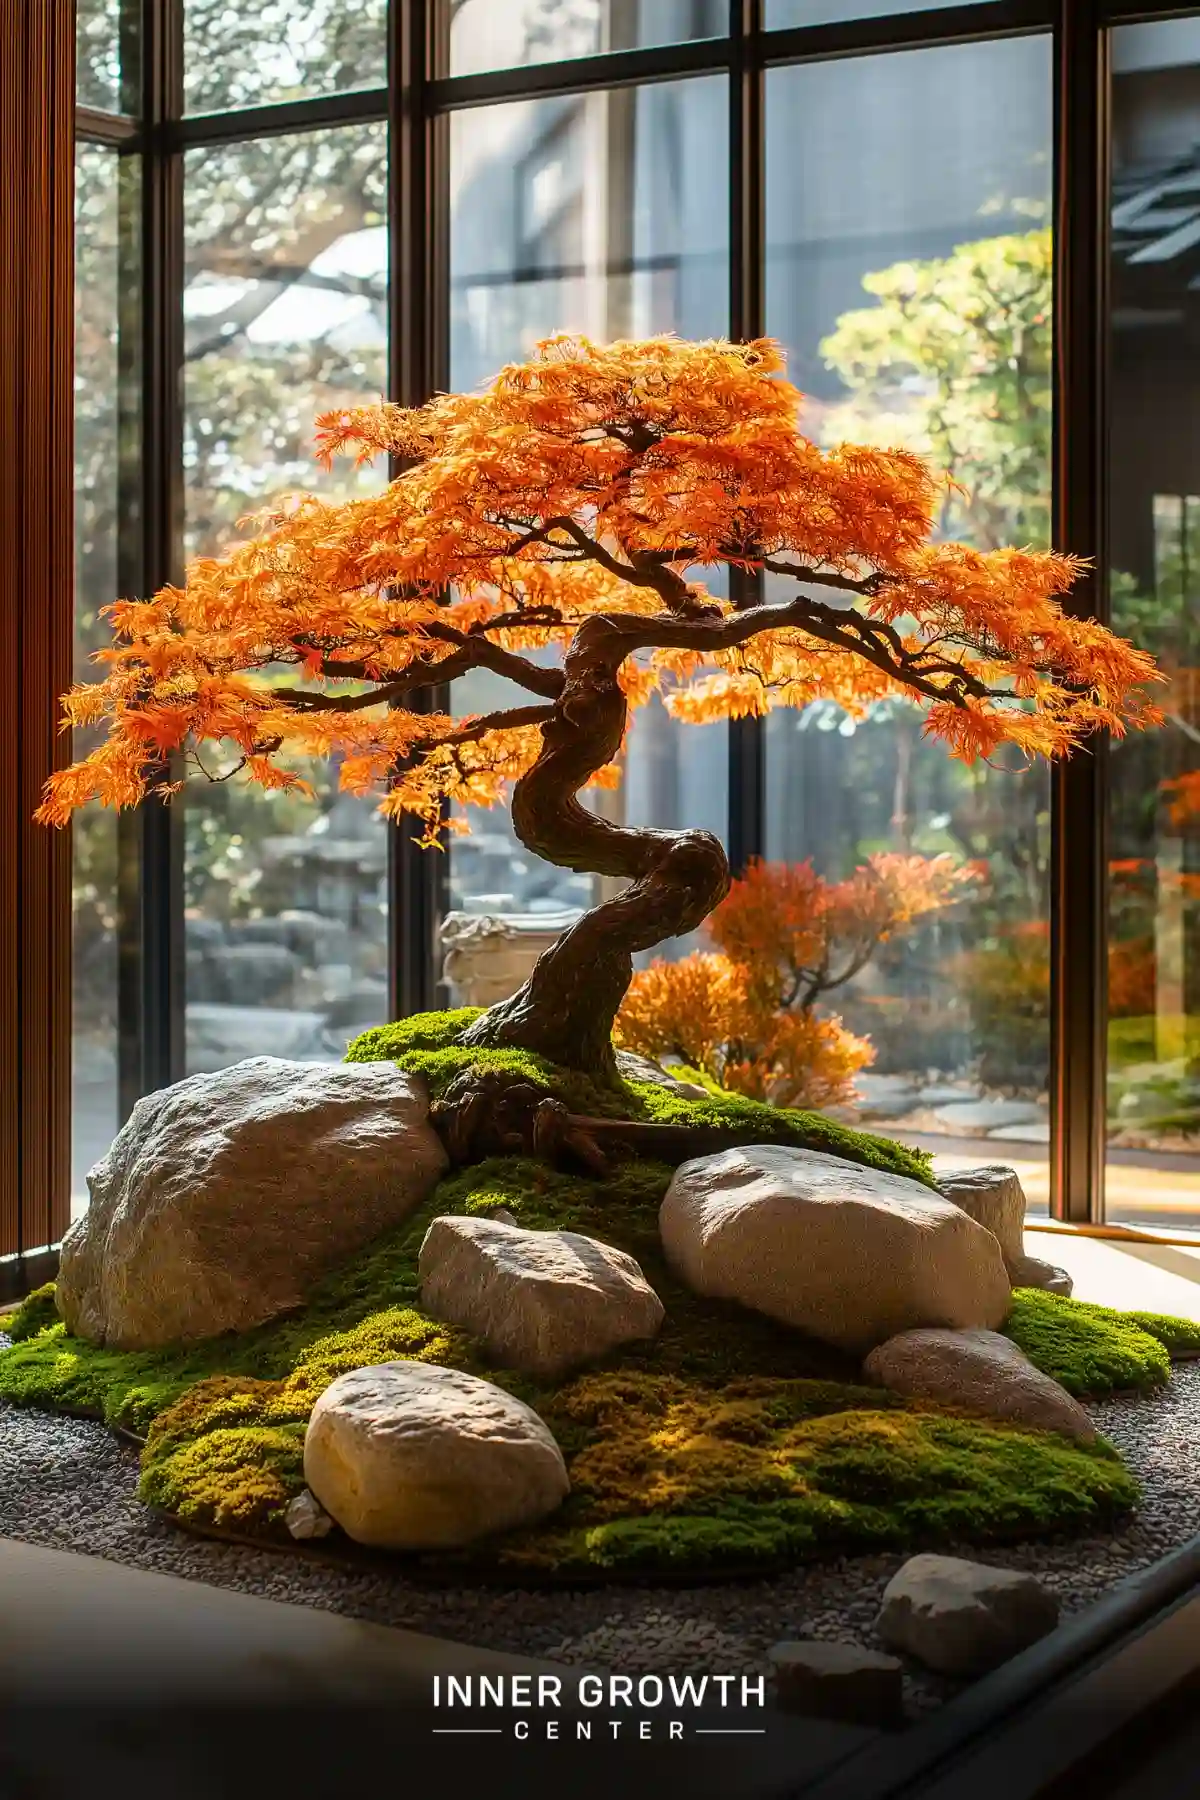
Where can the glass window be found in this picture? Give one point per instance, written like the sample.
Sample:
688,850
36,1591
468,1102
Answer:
103,55
780,14
908,274
510,34
593,213
1153,1174
285,309
260,51
105,216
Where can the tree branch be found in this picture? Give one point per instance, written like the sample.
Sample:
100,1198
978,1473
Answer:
612,638
474,651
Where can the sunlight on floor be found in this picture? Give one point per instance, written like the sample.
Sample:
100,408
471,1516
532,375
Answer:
1138,1277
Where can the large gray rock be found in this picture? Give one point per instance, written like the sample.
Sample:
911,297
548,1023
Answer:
544,1302
993,1196
963,1618
981,1372
820,1680
411,1456
225,1198
850,1255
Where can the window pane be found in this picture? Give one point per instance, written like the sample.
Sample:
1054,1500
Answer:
103,55
105,211
908,274
510,34
1153,1175
779,14
260,51
286,316
603,214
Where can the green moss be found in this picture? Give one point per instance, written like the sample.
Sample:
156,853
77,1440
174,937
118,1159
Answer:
1090,1350
428,1046
786,1125
1180,1338
34,1314
237,1478
763,1472
424,1031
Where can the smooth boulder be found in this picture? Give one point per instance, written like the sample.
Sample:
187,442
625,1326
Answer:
850,1255
543,1302
225,1198
979,1372
412,1456
963,1618
993,1196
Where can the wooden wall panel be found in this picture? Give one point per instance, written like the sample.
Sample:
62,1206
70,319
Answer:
37,97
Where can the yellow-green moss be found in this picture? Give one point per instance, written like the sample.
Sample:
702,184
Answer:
1180,1338
667,1474
1094,1350
36,1311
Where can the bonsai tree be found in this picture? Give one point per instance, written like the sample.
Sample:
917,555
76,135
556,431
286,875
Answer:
573,505
746,1014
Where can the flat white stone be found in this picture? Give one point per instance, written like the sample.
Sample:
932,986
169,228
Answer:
947,1094
1037,1131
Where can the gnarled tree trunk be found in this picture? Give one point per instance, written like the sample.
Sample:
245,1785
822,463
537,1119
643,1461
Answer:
565,1010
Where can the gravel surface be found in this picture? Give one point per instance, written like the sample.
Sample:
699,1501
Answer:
67,1483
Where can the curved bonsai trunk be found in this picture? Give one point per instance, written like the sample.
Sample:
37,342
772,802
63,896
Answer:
565,1010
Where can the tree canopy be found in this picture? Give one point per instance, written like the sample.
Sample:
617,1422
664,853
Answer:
585,485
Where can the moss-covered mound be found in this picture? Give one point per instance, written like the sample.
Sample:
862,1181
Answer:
427,1045
729,1444
1095,1350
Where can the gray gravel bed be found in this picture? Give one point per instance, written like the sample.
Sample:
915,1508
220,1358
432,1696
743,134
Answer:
69,1484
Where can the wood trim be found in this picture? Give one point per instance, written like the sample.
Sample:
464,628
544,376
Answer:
37,99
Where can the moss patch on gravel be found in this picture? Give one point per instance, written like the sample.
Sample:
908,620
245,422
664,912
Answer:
674,1475
1094,1350
729,1443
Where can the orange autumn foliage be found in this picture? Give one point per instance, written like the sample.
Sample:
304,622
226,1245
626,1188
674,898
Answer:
804,935
1183,799
746,1014
589,479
